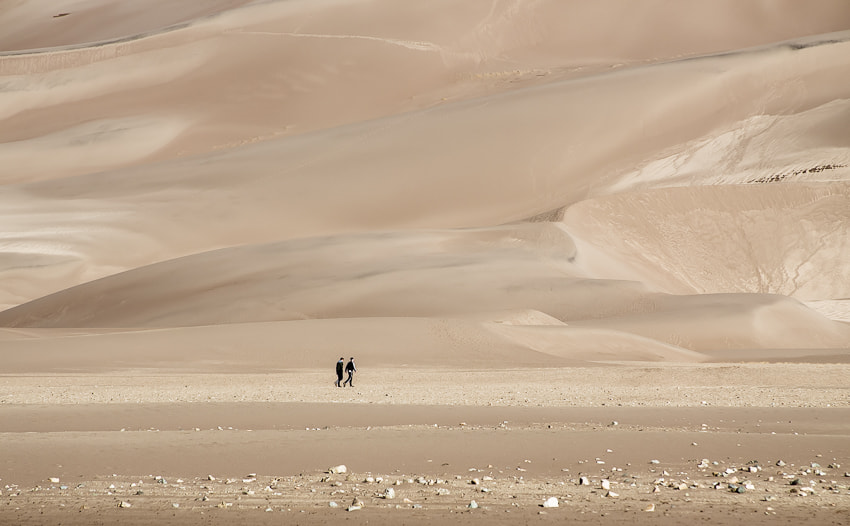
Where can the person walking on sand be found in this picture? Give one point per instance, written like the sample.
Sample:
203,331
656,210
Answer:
339,367
350,369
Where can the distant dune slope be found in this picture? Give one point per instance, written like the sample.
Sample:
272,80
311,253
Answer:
445,274
764,237
473,163
654,180
39,24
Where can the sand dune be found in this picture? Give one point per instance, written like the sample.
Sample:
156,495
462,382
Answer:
491,204
678,166
414,170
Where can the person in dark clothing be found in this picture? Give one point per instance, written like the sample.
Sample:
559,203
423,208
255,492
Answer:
339,368
350,369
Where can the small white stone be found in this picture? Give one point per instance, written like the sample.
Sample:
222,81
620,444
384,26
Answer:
333,504
389,493
650,507
338,469
606,484
612,495
472,505
124,504
583,481
54,479
551,502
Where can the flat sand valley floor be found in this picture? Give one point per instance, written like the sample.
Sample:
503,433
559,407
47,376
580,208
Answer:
627,443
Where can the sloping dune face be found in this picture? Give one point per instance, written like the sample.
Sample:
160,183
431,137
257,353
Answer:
555,181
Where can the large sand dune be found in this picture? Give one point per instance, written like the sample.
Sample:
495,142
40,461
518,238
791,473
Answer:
526,190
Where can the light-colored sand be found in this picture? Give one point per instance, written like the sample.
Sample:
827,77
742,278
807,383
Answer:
557,214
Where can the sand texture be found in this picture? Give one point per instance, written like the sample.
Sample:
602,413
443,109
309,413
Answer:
591,251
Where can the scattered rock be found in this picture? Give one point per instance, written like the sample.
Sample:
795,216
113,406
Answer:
612,495
606,484
338,469
472,505
124,504
780,463
583,481
551,502
54,480
333,504
389,493
650,507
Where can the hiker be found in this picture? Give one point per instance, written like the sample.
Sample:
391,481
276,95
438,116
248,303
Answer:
339,367
350,369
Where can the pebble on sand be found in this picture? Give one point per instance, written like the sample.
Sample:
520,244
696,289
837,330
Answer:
338,469
551,502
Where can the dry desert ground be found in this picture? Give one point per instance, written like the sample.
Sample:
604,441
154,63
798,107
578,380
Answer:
592,260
